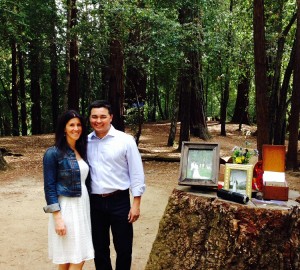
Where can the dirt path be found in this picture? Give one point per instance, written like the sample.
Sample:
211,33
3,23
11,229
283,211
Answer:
23,224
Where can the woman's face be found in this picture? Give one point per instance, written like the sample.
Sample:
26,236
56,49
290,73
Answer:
73,130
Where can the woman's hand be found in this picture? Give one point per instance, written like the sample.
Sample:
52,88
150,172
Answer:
60,227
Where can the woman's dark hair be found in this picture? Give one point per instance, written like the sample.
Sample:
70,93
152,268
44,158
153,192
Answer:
60,138
100,104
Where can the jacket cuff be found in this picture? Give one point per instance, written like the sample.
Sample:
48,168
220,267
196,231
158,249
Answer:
52,208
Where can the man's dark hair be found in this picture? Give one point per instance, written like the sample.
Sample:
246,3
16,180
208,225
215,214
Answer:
100,104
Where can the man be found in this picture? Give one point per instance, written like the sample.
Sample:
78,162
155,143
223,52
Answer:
116,167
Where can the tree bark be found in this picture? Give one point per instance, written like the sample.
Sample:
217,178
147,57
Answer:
277,113
203,232
292,158
22,92
174,117
241,114
185,103
67,60
225,91
280,130
54,68
198,126
14,90
73,90
262,113
116,83
35,88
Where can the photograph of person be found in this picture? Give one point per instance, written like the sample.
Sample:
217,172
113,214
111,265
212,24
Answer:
199,164
238,181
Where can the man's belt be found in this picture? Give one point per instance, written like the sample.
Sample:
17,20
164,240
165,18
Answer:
111,194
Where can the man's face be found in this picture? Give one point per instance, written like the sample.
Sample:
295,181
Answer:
100,120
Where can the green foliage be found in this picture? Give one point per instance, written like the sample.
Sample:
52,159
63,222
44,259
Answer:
161,39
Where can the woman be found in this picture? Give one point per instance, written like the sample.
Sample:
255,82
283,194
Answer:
65,172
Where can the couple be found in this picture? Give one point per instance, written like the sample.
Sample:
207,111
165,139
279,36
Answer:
108,165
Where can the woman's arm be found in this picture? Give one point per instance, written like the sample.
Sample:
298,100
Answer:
50,179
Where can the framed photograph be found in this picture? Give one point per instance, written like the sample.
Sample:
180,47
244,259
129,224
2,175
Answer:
238,178
199,164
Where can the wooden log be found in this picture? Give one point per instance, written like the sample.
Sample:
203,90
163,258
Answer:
3,163
204,232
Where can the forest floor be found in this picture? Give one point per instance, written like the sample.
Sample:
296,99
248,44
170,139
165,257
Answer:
23,224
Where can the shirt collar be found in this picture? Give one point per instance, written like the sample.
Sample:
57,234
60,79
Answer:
111,132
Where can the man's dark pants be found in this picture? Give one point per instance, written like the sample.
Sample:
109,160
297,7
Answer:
111,212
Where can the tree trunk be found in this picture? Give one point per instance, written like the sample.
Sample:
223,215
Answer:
54,68
204,232
185,103
262,113
224,103
198,124
14,90
191,108
136,76
22,92
67,60
241,114
225,92
275,98
158,100
280,130
292,161
173,127
152,94
116,84
73,90
35,88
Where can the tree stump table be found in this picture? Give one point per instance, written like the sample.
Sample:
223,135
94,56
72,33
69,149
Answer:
201,231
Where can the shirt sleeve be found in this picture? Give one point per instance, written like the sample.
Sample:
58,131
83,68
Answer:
135,168
50,179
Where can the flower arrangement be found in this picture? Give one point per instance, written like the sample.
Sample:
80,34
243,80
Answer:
242,155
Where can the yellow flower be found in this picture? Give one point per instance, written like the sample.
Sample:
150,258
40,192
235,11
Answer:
239,160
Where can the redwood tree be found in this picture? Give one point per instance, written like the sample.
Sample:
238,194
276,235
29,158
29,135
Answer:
14,92
116,83
262,112
22,91
53,66
292,162
240,114
73,90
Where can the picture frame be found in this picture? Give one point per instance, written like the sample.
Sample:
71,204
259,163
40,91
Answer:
238,178
199,164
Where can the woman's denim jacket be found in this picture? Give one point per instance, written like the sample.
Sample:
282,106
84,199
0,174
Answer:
61,177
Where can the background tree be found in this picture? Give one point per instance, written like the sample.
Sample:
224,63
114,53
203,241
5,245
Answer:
54,63
291,161
150,51
73,89
262,112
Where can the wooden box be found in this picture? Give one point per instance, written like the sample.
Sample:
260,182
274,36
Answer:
276,193
221,172
274,161
273,158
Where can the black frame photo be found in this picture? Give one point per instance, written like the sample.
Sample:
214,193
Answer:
199,164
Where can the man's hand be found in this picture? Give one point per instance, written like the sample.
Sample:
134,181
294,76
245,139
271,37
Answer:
134,212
